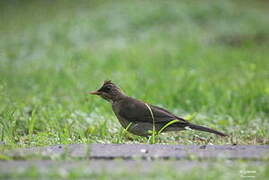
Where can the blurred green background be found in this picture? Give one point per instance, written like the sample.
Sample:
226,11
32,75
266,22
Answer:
204,57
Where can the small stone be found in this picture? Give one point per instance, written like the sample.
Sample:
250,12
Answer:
144,151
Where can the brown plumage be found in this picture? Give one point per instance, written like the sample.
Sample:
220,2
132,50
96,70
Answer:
129,110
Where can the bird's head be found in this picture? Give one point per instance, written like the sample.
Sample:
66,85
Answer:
109,91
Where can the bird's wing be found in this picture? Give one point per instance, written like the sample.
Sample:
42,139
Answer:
137,111
157,110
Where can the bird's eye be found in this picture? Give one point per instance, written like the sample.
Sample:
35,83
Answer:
108,88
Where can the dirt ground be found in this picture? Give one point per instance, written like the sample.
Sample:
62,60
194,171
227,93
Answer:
147,151
86,159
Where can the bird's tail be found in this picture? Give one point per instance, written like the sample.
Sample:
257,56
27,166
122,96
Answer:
202,128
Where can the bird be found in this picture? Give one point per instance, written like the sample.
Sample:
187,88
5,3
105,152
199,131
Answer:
140,118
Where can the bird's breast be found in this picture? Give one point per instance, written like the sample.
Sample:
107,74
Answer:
116,109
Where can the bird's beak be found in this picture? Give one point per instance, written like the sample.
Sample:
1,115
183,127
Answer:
95,93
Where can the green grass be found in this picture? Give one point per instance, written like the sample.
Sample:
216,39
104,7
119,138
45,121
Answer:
235,170
206,57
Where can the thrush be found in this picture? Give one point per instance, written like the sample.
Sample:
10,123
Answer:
141,118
